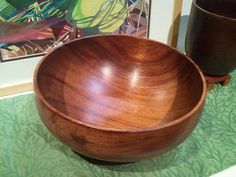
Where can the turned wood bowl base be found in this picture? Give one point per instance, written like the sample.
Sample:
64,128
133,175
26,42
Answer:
212,80
99,162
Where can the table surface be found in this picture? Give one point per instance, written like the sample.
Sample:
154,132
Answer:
27,149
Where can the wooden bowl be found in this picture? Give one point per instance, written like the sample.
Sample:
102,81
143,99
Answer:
211,36
119,98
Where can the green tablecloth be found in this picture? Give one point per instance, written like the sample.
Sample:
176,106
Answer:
27,148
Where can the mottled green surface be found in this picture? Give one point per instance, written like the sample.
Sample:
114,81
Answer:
27,149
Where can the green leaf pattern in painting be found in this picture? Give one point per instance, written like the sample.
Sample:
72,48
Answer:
27,149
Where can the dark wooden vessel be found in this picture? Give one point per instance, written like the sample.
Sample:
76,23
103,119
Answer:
119,98
211,36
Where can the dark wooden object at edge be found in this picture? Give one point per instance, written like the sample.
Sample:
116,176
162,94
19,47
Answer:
212,80
119,98
211,36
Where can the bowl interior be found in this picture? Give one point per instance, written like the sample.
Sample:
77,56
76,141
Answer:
225,8
119,82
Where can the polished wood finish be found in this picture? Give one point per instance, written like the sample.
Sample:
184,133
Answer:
211,36
212,80
119,98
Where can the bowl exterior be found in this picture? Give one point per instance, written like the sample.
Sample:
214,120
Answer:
210,41
115,146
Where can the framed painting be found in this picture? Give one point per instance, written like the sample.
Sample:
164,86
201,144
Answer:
29,28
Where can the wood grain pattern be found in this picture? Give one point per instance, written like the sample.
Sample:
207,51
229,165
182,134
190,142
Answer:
119,98
211,36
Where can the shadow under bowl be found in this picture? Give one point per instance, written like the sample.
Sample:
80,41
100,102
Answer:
119,98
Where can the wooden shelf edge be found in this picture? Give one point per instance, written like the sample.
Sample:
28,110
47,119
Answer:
15,89
175,23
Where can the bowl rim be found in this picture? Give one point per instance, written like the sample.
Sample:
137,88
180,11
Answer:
213,14
180,119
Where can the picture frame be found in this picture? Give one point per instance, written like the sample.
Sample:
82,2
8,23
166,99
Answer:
164,26
33,27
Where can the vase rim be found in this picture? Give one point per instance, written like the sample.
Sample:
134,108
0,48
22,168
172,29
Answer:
213,14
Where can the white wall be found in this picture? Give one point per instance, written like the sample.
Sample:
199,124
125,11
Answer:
18,72
186,7
161,19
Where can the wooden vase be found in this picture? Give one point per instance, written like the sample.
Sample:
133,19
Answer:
211,36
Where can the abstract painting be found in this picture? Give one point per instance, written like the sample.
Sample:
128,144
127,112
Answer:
31,28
